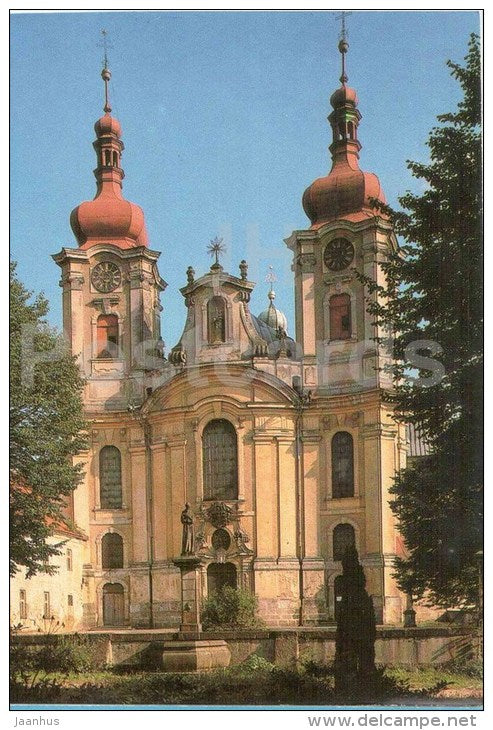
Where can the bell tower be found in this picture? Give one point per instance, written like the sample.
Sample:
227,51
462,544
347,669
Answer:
348,233
359,446
111,284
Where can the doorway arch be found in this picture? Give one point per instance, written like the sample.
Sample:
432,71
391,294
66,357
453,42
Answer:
113,604
220,575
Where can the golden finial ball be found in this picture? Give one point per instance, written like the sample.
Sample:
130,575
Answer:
343,45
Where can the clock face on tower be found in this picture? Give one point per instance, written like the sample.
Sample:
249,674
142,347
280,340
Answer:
106,276
338,254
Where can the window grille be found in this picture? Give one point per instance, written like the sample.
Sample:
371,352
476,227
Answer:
220,460
110,478
22,604
342,465
46,605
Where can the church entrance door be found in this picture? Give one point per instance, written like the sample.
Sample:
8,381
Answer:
113,605
220,575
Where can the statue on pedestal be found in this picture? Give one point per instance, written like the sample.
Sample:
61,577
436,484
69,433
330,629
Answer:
187,542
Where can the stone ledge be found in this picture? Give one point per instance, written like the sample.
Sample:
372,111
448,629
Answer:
267,632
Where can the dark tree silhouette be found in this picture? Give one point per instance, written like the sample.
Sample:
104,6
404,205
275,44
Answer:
354,666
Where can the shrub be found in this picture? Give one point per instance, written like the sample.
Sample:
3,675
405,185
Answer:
65,655
230,608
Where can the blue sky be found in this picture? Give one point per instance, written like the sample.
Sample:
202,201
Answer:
224,125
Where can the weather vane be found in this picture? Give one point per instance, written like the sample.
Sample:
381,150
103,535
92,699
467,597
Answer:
216,248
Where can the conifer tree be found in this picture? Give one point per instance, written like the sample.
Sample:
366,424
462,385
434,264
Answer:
46,431
434,294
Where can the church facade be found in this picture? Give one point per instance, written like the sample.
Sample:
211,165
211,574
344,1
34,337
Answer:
282,446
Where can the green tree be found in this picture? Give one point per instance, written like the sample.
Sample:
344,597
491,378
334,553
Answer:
434,293
46,430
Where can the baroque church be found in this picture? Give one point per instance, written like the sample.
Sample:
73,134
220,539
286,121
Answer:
281,446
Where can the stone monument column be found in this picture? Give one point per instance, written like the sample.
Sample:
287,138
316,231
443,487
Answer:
190,567
188,652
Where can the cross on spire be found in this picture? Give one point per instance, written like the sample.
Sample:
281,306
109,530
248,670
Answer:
105,73
343,44
105,43
342,17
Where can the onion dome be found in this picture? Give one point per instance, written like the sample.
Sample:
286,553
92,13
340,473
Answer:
346,191
109,218
273,317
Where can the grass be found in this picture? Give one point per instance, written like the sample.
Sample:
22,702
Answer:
425,678
255,682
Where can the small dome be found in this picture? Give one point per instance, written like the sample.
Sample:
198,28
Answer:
108,125
273,317
344,95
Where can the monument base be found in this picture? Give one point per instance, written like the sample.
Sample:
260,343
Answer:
195,656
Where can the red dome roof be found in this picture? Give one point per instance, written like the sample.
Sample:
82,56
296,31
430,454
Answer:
109,219
344,191
344,95
108,125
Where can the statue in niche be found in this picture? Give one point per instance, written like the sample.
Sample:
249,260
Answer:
216,320
187,542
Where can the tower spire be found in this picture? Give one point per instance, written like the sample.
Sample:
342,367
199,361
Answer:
343,45
106,73
270,279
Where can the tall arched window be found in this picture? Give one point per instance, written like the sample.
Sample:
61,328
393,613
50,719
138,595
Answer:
112,551
110,478
216,320
342,465
220,460
340,317
107,329
342,538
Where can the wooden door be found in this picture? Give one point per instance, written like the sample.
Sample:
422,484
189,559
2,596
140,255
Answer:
113,605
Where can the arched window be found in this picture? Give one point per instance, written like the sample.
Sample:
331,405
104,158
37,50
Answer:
340,317
220,460
216,320
107,335
342,465
112,551
110,478
342,538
